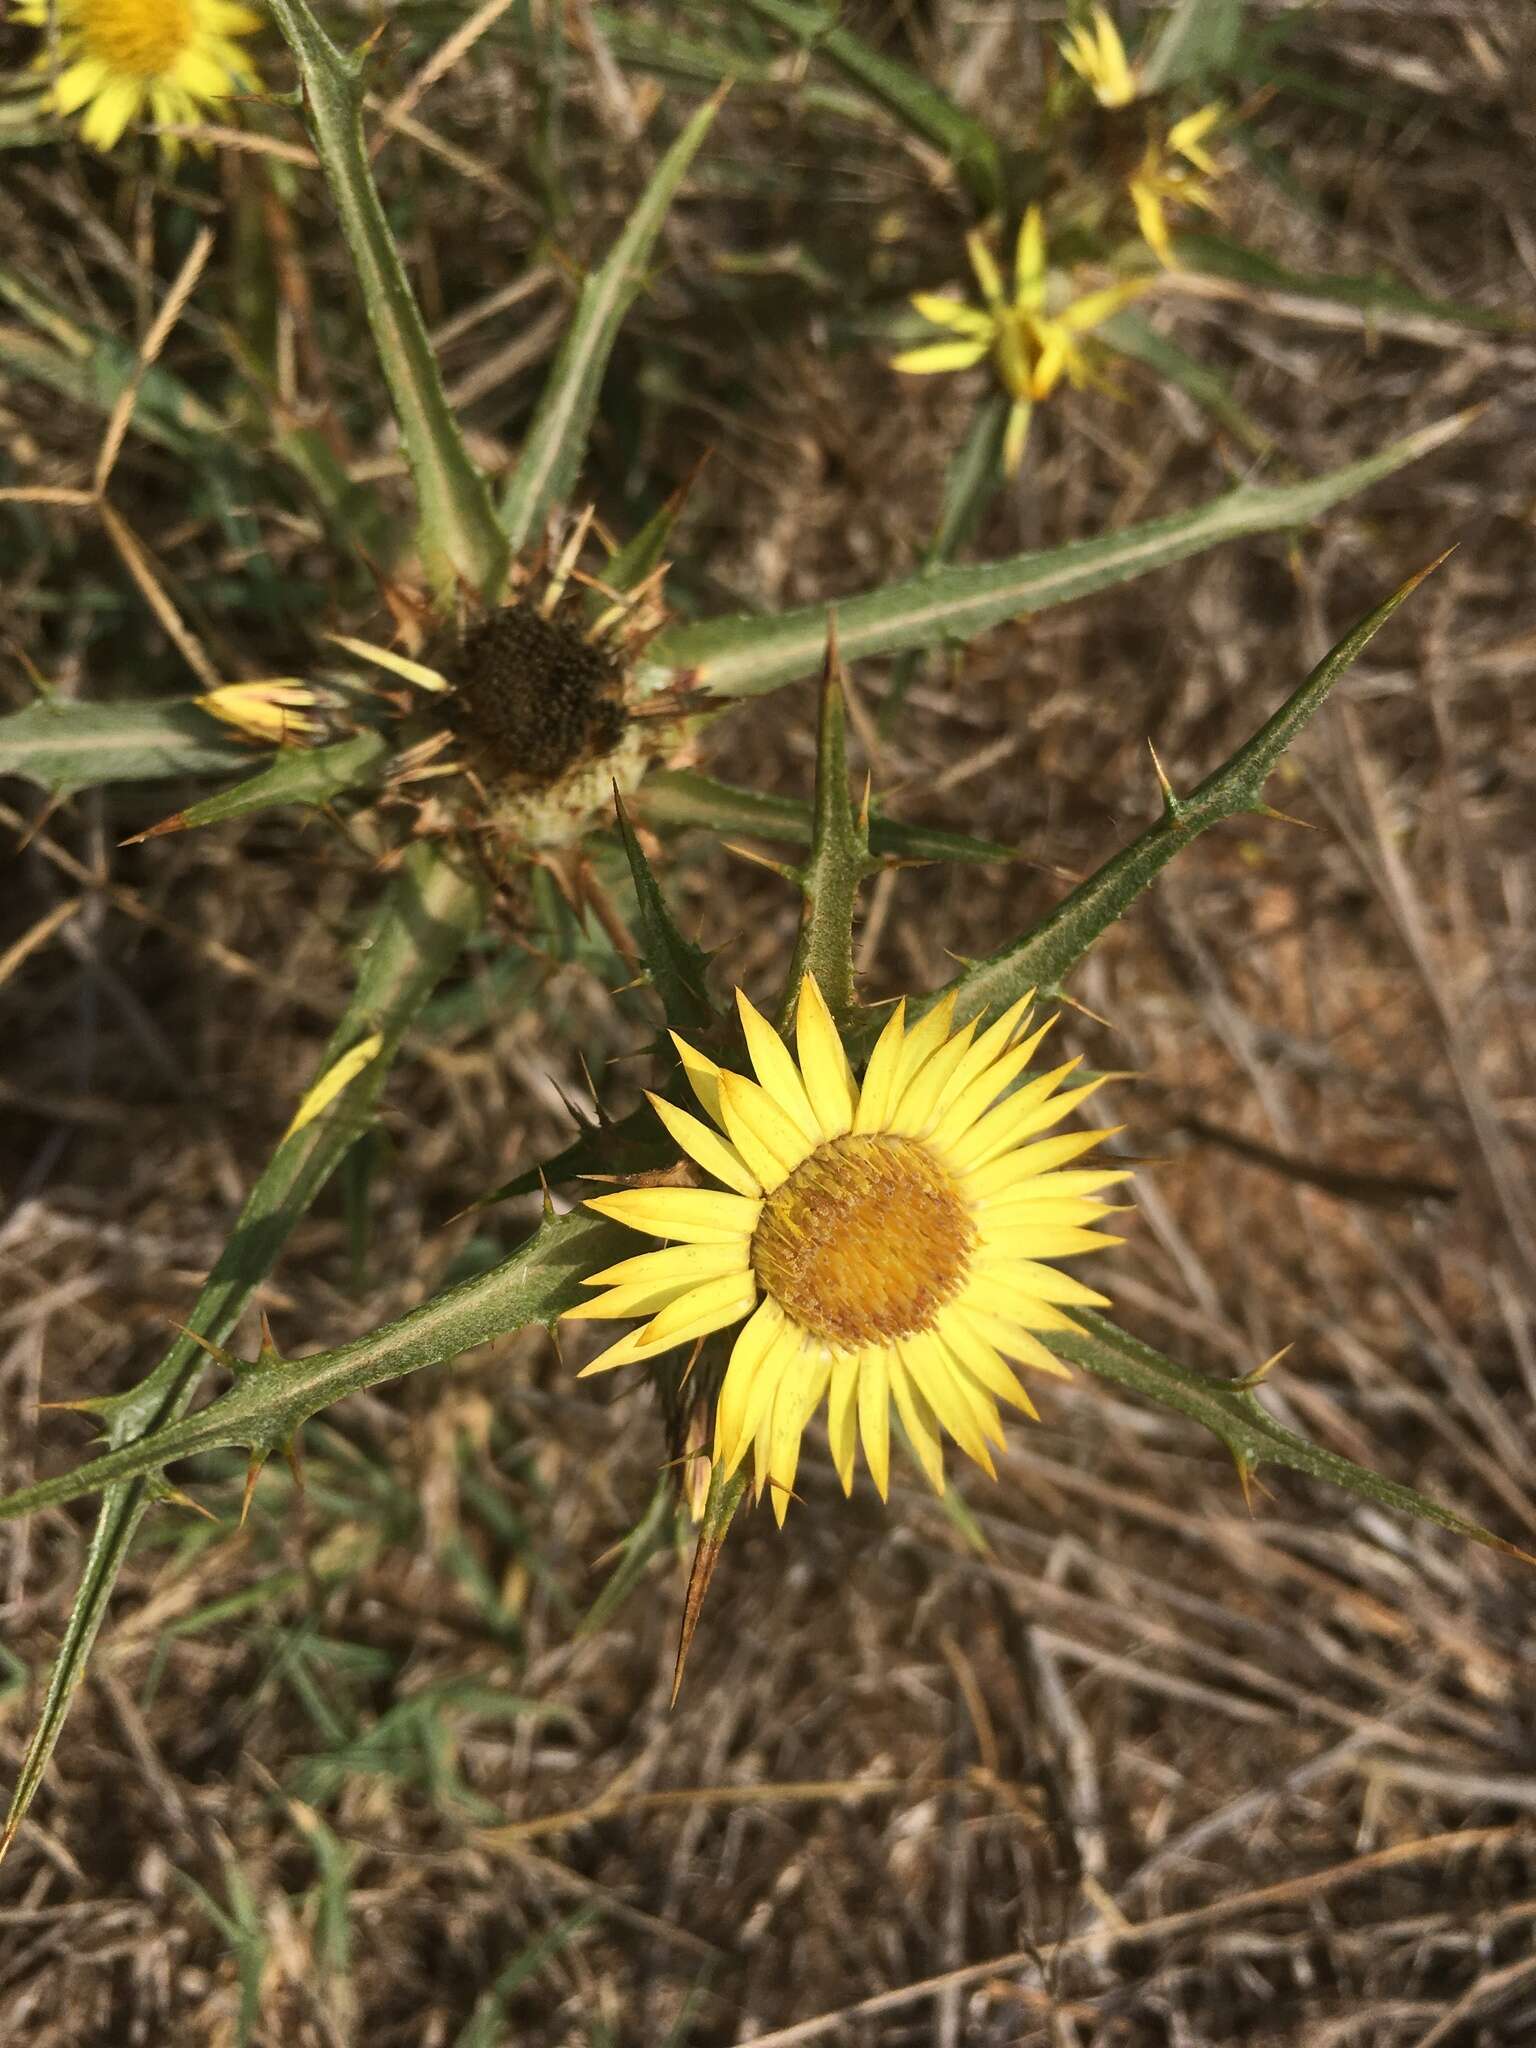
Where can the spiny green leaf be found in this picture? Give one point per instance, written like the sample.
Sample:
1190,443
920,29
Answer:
743,657
264,1408
432,909
557,440
460,539
677,968
839,863
682,796
65,744
1217,256
297,775
1044,955
1248,1430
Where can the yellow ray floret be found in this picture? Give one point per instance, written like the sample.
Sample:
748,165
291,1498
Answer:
880,1243
114,60
1031,346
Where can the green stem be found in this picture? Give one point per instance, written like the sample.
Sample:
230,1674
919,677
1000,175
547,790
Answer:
460,539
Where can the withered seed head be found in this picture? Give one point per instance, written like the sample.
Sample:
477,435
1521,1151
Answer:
532,696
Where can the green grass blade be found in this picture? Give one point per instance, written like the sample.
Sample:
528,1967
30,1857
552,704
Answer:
745,656
432,910
971,148
1198,37
1248,1430
1216,256
268,1402
680,797
1130,334
557,440
460,539
488,2025
63,744
1046,954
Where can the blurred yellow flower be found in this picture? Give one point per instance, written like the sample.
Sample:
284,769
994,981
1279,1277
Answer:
1031,348
880,1240
1175,168
271,711
1161,178
117,57
1098,57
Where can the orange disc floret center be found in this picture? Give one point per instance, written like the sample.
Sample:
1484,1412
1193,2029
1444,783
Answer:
143,38
866,1241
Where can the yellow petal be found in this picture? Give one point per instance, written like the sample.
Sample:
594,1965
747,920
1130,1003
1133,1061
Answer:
1152,221
954,314
78,83
749,1381
773,1066
928,1366
703,1077
988,276
1094,307
880,1075
641,1297
770,1143
875,1415
690,1215
824,1064
973,1344
110,112
688,1262
1029,261
999,1129
973,1354
1004,1174
921,1424
924,1095
842,1415
799,1393
1027,1281
706,1147
920,1045
400,665
935,357
710,1306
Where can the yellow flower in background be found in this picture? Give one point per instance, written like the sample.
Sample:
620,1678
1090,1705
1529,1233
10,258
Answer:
1098,57
1174,171
1031,348
118,57
1176,167
271,711
879,1241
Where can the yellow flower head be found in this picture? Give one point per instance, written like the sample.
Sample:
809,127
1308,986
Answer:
1174,171
271,711
879,1240
117,57
1031,348
1098,57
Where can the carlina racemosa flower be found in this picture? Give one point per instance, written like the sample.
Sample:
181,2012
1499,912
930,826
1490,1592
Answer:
1032,346
115,58
879,1240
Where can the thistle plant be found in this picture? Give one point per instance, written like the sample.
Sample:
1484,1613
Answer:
872,1203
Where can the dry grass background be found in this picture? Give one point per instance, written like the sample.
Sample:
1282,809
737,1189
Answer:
1152,1770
